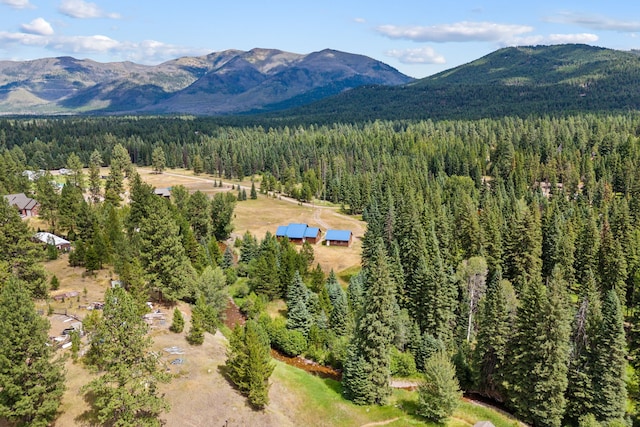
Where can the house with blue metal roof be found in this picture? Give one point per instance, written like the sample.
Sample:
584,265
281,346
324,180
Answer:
338,237
299,233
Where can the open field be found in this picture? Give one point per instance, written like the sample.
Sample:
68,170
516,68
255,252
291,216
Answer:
267,213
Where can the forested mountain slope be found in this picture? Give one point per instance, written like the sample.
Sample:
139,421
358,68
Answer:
520,81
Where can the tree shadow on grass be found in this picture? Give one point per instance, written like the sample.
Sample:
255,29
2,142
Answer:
222,369
90,416
410,408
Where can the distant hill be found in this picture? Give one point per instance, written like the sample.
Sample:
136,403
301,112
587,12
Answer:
221,83
511,81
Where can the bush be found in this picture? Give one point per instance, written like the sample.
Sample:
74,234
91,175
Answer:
403,364
289,342
54,284
253,305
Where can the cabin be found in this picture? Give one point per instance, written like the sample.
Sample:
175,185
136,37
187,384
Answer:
299,233
51,239
26,205
338,238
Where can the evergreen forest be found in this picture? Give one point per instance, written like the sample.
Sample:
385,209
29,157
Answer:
501,257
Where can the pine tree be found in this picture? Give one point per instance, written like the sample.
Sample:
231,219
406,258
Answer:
495,321
95,188
249,362
18,251
126,392
439,394
196,332
298,316
610,366
374,334
77,176
158,160
539,353
339,308
197,213
253,193
177,325
120,164
585,336
163,256
31,380
212,286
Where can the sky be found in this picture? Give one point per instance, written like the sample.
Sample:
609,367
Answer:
419,38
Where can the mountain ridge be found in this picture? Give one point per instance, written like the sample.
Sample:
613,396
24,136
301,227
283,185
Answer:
220,83
520,81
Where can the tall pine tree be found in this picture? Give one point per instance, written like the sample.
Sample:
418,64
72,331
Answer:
31,380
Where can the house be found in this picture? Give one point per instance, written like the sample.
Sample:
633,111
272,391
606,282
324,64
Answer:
26,205
299,233
51,239
163,192
338,238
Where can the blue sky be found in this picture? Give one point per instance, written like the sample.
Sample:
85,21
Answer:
419,38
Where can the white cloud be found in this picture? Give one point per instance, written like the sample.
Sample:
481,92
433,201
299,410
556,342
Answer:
359,20
7,39
84,10
18,4
457,32
84,44
424,55
38,26
552,39
596,22
144,52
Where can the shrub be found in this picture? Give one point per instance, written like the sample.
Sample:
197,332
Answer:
403,364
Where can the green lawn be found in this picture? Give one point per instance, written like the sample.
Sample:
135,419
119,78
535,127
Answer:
318,402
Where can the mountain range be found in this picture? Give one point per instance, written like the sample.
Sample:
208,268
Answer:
221,83
329,86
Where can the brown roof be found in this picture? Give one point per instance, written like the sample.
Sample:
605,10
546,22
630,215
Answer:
21,201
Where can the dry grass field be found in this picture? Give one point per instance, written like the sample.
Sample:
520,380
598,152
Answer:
267,213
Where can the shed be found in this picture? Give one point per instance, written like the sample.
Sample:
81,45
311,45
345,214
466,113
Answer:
338,238
51,239
26,205
163,192
484,424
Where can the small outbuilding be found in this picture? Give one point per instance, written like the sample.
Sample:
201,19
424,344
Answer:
25,205
338,238
163,192
51,239
299,233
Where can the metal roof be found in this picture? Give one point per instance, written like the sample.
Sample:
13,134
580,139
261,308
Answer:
21,201
281,231
296,231
311,232
47,238
338,235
